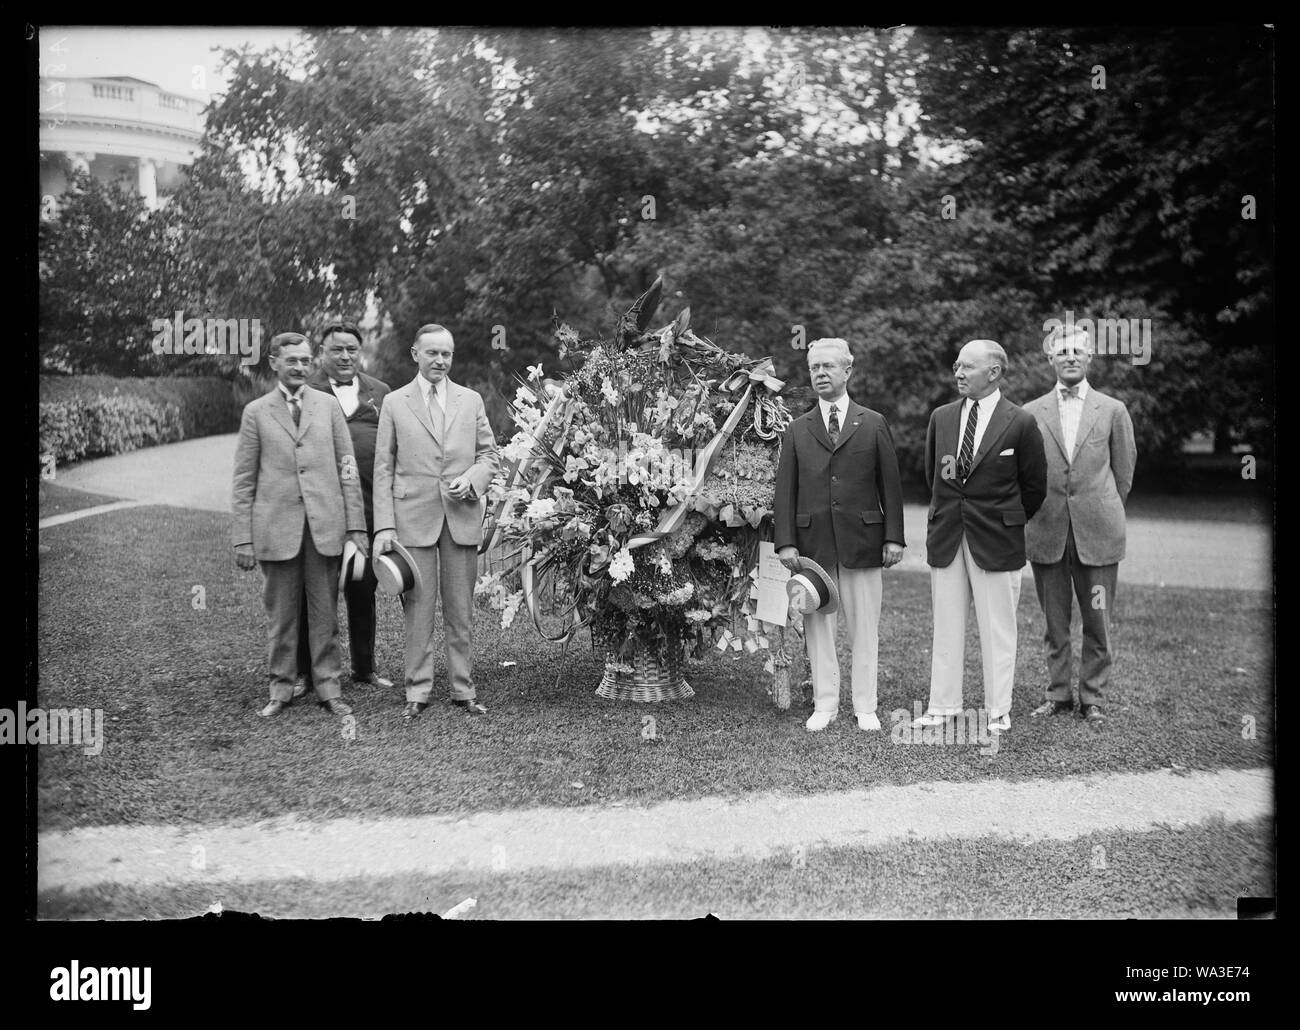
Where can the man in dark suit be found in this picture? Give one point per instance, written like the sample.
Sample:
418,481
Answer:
359,396
295,497
987,474
1076,541
840,503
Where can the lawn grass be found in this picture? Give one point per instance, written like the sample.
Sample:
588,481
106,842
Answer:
181,685
53,499
1194,872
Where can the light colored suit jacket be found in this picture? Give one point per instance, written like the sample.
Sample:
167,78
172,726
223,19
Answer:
414,464
1086,493
284,473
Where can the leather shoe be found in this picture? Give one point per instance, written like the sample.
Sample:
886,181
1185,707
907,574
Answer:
929,719
373,680
470,705
868,721
337,706
1053,708
1000,724
413,710
819,721
299,689
272,708
1092,714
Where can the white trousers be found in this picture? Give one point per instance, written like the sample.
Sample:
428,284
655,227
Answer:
996,596
860,593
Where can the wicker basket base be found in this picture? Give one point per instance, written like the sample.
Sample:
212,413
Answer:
651,680
618,686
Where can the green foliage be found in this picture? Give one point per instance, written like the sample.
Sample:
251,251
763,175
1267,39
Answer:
86,416
782,182
1135,188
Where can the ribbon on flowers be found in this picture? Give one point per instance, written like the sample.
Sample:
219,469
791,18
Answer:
762,372
761,376
527,582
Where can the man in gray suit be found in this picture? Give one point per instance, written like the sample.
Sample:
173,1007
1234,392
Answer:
296,496
434,458
1076,540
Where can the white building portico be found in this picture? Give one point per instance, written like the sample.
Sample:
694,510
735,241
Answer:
117,129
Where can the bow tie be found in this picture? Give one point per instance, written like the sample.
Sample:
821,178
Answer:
351,382
1069,391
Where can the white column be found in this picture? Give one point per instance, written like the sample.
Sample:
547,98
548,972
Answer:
148,181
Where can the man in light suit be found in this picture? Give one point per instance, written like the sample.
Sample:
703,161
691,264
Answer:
985,466
839,502
1076,540
359,396
434,459
296,496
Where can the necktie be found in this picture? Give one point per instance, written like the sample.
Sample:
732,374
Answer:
1069,391
435,412
968,442
295,406
834,429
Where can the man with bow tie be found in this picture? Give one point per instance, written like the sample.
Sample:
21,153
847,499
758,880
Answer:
839,501
1076,540
984,463
360,396
434,458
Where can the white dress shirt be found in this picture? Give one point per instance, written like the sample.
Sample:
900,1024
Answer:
986,406
1071,411
291,396
348,395
841,405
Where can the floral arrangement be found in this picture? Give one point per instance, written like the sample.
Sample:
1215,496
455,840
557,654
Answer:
640,485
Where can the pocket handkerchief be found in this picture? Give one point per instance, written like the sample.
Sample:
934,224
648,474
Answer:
1009,450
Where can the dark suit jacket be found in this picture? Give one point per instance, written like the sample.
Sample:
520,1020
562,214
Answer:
999,496
363,426
839,505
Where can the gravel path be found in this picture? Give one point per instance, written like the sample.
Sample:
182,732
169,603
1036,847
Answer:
675,832
1161,551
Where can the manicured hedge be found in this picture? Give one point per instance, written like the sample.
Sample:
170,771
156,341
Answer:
88,416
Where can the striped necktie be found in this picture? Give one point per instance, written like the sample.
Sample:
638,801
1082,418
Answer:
968,442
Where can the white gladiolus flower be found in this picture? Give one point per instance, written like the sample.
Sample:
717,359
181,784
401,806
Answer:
622,566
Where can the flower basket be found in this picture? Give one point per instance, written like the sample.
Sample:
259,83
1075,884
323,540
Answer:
656,676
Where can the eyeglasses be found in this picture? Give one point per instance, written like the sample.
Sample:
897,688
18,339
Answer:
305,362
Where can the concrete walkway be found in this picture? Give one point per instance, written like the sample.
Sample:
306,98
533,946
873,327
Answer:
675,832
1161,552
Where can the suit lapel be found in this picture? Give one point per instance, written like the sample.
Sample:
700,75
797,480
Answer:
415,399
817,427
454,396
310,398
280,412
1052,416
950,432
993,432
1091,408
853,416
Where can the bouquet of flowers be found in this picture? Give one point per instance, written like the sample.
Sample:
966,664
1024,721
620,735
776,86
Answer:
639,487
